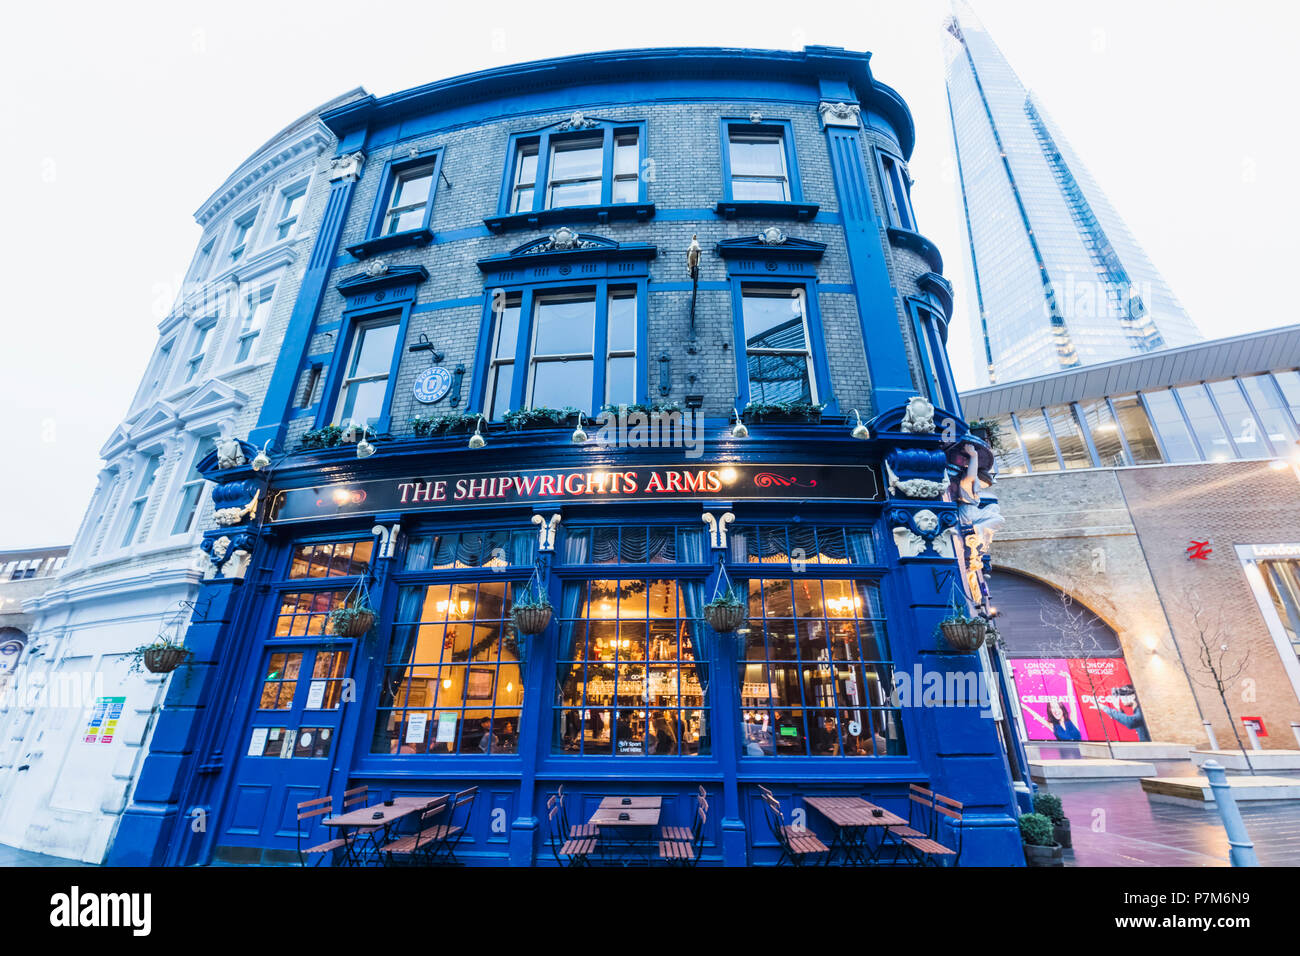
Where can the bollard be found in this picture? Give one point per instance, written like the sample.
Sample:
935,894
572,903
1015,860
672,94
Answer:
1295,729
1240,850
1251,728
1209,732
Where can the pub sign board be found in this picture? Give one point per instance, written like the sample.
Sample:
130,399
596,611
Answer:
636,483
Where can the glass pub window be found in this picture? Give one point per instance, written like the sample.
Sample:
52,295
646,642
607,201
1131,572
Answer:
306,613
562,355
331,559
361,401
626,167
815,673
471,549
576,171
410,196
631,682
758,170
525,185
501,367
452,683
800,544
634,544
777,353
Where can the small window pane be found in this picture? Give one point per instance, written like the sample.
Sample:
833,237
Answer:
1069,437
562,384
1105,434
565,326
1038,442
1137,430
375,350
621,336
1205,423
757,156
1241,422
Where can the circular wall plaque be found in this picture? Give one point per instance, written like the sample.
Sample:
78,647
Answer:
431,384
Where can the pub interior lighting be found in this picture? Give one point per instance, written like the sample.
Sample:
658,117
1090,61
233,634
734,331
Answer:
738,430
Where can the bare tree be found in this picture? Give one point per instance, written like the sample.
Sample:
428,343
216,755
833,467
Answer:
1076,629
1220,667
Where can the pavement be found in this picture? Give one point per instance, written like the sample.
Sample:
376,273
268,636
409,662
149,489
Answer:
1112,823
11,856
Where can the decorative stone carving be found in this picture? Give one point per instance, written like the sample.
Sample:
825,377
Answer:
772,236
228,555
755,117
919,418
908,542
577,120
839,114
230,453
563,239
923,532
226,517
387,544
346,167
913,487
546,531
377,267
718,528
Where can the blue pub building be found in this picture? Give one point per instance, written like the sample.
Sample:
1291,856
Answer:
625,330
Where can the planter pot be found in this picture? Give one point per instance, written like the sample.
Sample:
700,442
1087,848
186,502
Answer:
164,660
725,618
531,619
779,419
1061,833
964,636
1053,855
357,625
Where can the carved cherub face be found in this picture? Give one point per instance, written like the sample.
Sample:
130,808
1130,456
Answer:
926,521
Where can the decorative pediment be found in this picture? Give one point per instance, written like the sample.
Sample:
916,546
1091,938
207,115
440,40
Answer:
211,398
158,417
567,245
770,243
117,443
380,275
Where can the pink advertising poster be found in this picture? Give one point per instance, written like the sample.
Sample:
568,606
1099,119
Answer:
1107,700
1047,698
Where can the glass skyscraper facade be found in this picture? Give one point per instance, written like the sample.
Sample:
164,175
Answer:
1059,280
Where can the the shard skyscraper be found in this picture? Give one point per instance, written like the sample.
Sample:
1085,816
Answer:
1059,280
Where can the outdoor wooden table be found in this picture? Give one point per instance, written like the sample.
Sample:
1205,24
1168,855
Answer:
626,803
631,838
379,828
853,819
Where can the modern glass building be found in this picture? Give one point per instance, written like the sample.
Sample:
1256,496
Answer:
539,301
1059,280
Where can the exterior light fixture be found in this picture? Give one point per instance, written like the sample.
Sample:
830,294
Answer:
860,430
579,436
477,440
364,448
738,430
261,459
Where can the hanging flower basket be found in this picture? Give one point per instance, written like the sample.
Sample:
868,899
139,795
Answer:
163,658
352,621
724,617
964,634
531,619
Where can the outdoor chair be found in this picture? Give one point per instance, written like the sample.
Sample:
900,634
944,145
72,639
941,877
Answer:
418,847
682,845
310,810
568,851
574,830
928,850
797,844
449,834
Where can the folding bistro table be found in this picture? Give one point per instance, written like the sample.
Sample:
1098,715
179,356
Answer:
854,819
627,827
376,825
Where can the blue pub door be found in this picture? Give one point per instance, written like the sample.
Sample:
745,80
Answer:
287,749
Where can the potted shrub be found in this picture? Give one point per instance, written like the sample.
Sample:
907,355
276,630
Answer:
1041,848
725,612
162,656
541,417
777,412
1049,805
327,437
435,426
354,619
531,611
988,431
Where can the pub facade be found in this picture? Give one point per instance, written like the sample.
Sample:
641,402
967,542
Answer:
619,334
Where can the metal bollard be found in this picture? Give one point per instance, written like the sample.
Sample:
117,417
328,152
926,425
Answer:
1251,728
1240,850
1209,732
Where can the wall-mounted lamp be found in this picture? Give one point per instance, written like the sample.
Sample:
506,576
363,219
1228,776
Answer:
579,436
365,449
860,430
738,430
477,440
261,459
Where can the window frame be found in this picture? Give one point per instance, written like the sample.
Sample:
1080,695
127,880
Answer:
200,341
891,186
783,128
521,385
248,334
134,513
287,195
388,179
241,245
821,385
544,140
354,326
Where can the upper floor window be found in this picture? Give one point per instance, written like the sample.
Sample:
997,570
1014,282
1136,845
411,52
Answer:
930,330
408,198
135,510
241,235
204,260
501,365
200,349
897,186
560,366
777,352
758,165
291,203
590,167
191,492
158,372
257,308
366,374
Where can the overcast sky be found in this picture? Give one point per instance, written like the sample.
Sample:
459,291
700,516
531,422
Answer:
118,120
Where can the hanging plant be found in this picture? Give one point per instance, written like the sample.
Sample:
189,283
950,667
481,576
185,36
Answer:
357,615
531,610
162,656
963,634
725,611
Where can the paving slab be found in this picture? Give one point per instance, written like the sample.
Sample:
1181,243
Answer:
1259,759
1135,749
1195,791
1089,768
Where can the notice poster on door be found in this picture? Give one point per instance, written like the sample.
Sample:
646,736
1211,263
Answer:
102,726
1107,700
1047,700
